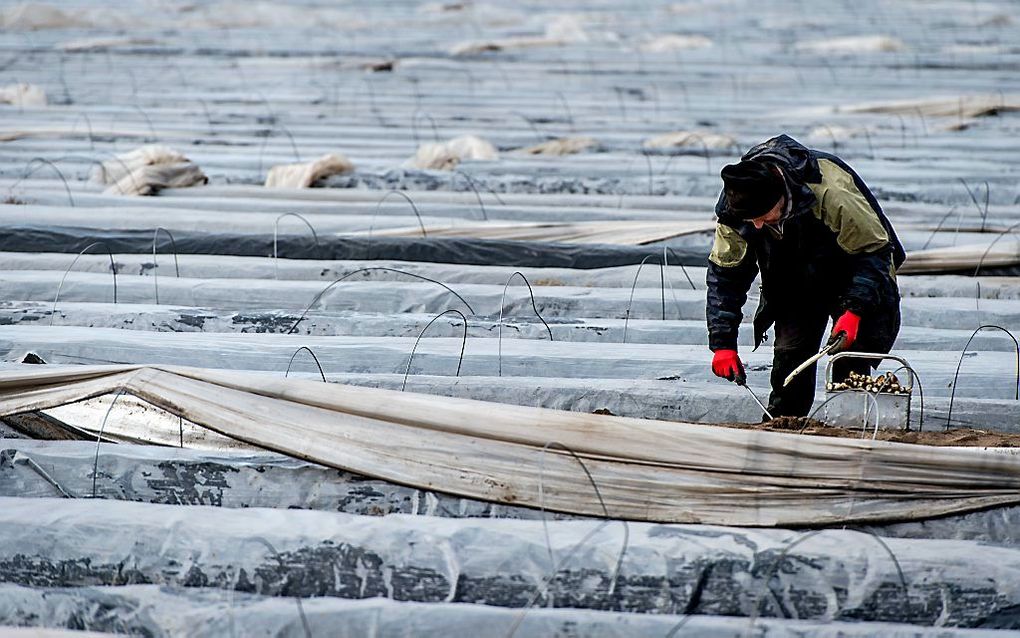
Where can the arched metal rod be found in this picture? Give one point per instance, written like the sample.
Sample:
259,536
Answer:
276,232
669,280
704,147
555,567
938,227
988,193
99,440
410,201
566,107
874,403
78,158
366,79
774,567
633,286
208,116
286,585
485,185
463,344
155,266
113,269
871,146
531,124
265,141
989,249
896,562
354,272
952,395
88,124
756,606
414,125
472,80
651,175
280,125
41,161
314,358
471,183
152,130
920,388
835,142
499,325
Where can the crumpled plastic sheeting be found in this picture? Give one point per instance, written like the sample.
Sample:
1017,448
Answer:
202,612
561,146
559,31
969,258
833,134
105,43
22,94
305,174
853,44
147,170
646,568
691,139
445,156
962,107
675,42
645,470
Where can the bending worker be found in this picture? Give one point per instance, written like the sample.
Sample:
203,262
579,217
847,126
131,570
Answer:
808,223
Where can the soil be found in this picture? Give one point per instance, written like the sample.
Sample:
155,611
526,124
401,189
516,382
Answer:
962,437
956,437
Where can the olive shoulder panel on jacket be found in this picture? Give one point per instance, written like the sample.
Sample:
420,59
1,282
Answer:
729,248
845,211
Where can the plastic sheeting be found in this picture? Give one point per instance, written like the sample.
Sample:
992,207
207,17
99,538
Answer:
450,250
569,462
147,170
168,475
970,259
303,175
153,610
834,575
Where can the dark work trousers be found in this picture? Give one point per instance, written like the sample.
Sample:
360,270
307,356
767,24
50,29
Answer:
799,336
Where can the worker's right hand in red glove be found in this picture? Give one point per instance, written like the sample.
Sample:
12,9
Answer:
726,364
847,326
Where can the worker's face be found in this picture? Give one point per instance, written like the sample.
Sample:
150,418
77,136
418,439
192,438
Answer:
770,217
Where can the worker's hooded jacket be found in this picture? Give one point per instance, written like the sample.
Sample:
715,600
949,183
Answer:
834,249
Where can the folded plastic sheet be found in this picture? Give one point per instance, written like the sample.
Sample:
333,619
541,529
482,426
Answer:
969,259
570,462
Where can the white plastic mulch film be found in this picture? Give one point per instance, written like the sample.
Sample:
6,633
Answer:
579,463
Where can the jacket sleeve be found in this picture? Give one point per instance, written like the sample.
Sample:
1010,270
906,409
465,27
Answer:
859,233
731,269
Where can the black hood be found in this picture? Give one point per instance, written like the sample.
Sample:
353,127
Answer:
799,167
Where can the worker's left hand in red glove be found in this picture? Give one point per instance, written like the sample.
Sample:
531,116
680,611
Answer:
847,324
726,364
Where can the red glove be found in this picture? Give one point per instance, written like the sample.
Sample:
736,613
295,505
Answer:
726,364
847,324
